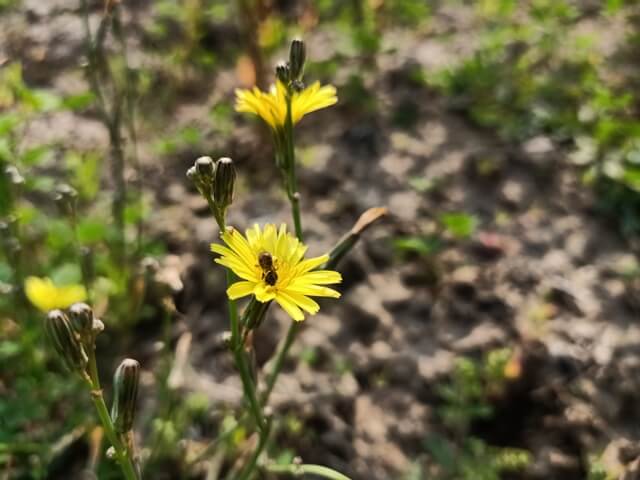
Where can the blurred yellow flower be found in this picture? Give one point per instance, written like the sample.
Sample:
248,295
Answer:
46,296
272,106
271,264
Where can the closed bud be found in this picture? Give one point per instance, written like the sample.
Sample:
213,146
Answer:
201,174
81,317
66,197
65,341
14,175
297,57
125,395
192,174
205,168
282,72
224,181
98,326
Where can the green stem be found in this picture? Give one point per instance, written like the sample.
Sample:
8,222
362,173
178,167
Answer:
209,449
279,361
122,453
247,383
292,181
246,472
294,199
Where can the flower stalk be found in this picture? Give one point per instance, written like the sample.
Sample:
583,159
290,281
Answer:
122,454
297,59
269,262
74,342
215,182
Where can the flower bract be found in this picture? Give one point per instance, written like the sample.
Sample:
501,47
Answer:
271,265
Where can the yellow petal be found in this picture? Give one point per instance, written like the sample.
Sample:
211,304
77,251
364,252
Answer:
240,289
290,307
314,291
70,294
311,263
264,293
319,277
302,301
44,295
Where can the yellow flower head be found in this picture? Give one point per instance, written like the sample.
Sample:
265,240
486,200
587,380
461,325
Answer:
271,264
272,106
46,296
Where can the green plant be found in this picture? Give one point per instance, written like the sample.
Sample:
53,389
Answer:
465,399
520,84
73,338
268,262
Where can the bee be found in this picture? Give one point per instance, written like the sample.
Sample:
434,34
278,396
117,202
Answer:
269,275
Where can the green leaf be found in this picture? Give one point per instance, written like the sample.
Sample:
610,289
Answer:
307,469
8,121
35,155
85,170
9,349
460,225
417,244
42,100
59,235
91,231
66,274
441,452
6,155
79,101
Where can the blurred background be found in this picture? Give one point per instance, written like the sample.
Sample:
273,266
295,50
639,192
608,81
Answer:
488,325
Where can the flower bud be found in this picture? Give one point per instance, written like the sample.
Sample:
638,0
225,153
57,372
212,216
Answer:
65,341
192,174
66,197
205,167
297,57
125,395
224,181
98,327
282,72
201,174
14,176
81,317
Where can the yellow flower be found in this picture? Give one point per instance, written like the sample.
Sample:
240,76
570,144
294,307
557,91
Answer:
46,296
272,106
271,264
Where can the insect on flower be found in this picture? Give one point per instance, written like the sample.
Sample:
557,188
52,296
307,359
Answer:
271,265
269,275
272,106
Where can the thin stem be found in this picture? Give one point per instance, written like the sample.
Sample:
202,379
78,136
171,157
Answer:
294,199
209,449
122,453
130,119
262,442
292,181
249,389
279,361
